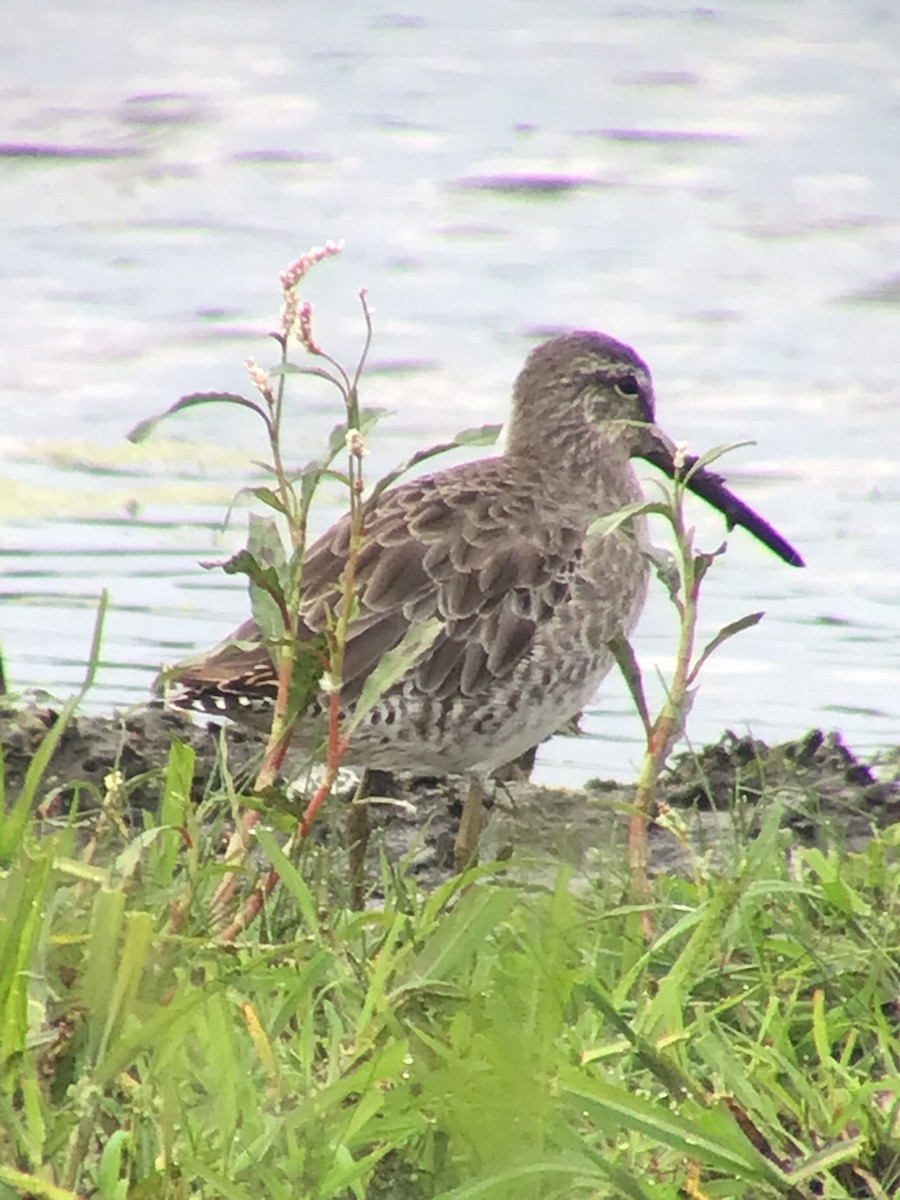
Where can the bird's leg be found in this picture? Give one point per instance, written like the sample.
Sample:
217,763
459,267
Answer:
357,843
465,849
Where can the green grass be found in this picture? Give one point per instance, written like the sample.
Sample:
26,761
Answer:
490,1040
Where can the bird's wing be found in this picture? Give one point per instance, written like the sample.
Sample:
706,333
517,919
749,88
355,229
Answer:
470,556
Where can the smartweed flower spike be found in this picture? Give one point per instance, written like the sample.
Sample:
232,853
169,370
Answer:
302,329
678,458
296,317
289,312
292,275
356,444
261,381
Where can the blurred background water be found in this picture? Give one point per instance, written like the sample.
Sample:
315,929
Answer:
718,186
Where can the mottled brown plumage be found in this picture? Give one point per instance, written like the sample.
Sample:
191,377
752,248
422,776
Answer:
500,551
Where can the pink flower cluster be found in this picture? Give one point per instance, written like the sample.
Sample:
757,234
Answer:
261,380
296,315
292,275
303,330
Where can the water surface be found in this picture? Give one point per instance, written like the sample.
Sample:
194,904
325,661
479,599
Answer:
717,186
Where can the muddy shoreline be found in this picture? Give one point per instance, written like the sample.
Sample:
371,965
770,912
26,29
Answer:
712,801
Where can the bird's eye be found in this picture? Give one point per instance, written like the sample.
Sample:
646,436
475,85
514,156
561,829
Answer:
628,387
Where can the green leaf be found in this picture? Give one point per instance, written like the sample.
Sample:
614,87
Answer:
265,467
264,541
627,662
458,938
726,632
547,1174
309,666
703,561
310,478
267,496
144,428
265,581
245,563
173,811
668,571
641,508
14,821
98,978
24,1184
269,592
476,435
394,665
25,893
128,860
292,879
289,368
112,1182
826,1159
665,1068
706,460
481,435
710,1136
369,418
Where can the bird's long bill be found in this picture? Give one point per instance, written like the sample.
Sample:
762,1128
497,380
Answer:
712,489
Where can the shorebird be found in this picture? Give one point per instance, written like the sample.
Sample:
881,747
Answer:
501,550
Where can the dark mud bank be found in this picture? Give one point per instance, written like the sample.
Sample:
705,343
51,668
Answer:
718,797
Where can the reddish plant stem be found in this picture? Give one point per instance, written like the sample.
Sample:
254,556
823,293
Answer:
280,734
280,737
667,725
268,773
337,747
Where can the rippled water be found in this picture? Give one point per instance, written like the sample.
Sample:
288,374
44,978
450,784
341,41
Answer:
718,186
